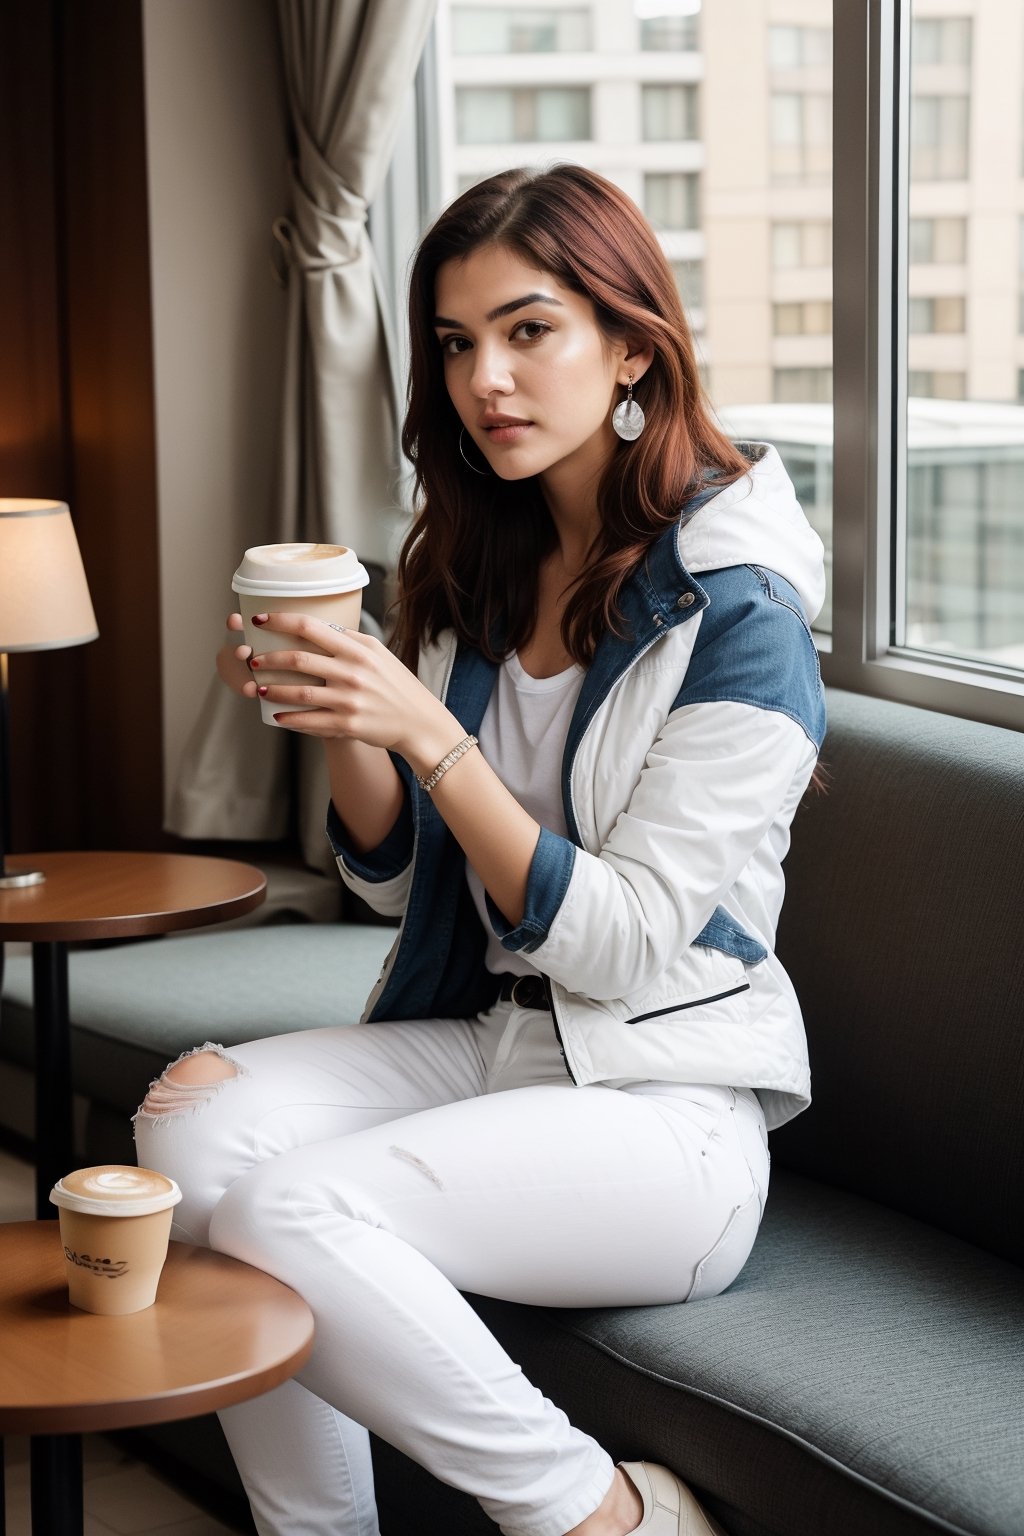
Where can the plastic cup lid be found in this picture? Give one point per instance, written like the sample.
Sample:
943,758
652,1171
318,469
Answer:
113,1189
296,570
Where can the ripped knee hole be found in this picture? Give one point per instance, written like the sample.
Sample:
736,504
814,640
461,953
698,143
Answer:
191,1082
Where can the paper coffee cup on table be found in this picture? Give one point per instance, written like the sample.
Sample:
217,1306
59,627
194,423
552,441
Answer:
323,580
115,1225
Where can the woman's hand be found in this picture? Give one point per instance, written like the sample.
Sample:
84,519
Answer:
368,695
233,661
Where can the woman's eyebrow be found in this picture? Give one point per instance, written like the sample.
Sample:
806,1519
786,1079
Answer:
503,309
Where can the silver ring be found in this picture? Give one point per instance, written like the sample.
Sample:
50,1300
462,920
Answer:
339,627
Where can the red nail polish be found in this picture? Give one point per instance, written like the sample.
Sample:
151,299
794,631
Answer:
261,692
253,662
260,618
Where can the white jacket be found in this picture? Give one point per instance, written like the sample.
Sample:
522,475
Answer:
692,742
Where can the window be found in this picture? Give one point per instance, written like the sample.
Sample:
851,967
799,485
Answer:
669,34
808,244
942,240
959,559
509,115
800,386
940,40
941,316
669,112
903,485
806,319
800,47
672,199
513,29
689,276
938,138
936,384
801,136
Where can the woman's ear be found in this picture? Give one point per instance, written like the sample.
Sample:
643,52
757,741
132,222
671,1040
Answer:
639,357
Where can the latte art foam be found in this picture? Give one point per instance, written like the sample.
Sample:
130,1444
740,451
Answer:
115,1189
116,1181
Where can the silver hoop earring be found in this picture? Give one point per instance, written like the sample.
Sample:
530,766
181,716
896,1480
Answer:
468,461
628,420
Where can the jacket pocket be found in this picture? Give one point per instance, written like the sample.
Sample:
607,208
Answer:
696,1002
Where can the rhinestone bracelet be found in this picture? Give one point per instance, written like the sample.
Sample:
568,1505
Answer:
431,781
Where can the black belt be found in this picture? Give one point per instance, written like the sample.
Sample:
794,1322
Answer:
524,991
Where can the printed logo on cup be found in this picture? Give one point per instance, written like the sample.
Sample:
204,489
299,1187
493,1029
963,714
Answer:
110,1268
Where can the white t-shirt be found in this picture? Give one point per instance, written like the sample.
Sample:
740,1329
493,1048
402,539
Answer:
523,738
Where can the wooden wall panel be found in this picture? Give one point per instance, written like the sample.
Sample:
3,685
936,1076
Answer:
75,323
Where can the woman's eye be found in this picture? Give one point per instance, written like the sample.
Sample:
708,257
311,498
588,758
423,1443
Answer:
451,346
531,330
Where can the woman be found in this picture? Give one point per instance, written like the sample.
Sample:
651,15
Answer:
574,783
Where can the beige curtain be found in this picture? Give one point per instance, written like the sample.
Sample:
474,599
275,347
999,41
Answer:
348,65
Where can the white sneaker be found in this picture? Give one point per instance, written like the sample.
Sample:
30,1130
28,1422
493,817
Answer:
670,1509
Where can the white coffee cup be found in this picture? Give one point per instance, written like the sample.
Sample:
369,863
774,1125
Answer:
323,580
115,1225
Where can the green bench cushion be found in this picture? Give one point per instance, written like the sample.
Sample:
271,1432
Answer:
135,1007
864,1374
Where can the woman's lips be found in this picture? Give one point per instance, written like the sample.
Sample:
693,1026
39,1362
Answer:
507,431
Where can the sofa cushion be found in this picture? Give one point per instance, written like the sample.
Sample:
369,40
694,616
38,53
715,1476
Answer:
864,1373
135,1007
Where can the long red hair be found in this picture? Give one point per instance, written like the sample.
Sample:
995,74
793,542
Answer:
471,558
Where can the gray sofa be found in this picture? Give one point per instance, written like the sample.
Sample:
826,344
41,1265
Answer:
865,1374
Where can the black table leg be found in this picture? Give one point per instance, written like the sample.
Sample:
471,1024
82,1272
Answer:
56,1485
54,1143
3,1495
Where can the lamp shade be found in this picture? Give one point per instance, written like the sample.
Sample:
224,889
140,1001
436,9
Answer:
44,596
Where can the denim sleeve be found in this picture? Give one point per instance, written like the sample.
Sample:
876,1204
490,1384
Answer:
389,858
548,881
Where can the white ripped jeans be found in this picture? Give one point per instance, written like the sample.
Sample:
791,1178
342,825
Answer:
502,1178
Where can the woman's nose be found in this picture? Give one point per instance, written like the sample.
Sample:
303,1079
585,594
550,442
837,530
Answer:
490,374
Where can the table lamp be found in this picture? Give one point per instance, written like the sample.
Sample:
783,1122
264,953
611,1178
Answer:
44,605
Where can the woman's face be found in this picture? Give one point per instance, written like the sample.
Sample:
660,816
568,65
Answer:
533,377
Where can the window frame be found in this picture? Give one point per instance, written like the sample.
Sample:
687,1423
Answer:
871,100
871,151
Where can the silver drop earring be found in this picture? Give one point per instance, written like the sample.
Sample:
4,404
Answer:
628,419
467,460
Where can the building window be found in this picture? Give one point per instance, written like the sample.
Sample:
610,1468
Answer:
936,384
808,244
801,136
942,316
669,34
800,47
689,276
802,386
939,149
940,40
510,115
810,318
672,199
938,241
512,29
669,112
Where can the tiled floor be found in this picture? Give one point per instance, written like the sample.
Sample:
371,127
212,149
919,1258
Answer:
122,1497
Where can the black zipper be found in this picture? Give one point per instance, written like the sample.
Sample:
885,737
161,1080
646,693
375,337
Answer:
558,1032
697,1002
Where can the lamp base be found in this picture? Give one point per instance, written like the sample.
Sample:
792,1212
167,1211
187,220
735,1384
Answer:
13,879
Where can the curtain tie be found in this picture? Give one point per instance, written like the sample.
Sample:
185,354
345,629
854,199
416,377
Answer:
318,239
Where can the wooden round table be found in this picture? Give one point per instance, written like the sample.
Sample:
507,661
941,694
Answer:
220,1332
91,896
